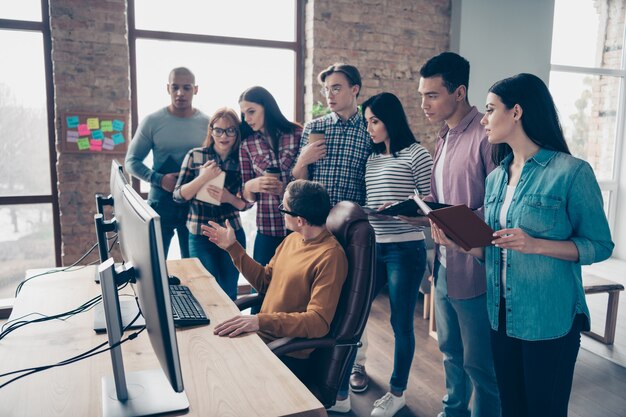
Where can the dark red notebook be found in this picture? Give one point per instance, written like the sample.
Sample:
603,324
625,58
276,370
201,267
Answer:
460,224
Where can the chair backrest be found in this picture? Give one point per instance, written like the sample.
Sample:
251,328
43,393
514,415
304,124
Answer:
349,224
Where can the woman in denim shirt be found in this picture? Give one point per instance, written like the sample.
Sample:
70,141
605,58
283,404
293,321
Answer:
546,208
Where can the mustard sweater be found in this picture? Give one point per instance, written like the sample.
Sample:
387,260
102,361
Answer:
302,284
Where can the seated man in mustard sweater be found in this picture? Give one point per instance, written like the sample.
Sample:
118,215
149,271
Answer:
302,282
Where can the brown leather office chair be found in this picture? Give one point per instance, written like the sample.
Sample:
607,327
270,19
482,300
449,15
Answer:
329,361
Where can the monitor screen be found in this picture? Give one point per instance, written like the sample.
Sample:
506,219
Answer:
139,234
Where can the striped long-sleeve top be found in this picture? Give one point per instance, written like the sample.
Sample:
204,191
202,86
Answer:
394,178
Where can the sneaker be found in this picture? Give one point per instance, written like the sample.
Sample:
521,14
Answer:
388,405
359,381
341,406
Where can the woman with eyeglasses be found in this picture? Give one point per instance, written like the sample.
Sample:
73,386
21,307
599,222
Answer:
200,169
267,155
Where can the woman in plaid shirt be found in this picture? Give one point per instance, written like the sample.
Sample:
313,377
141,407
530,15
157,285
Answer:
269,141
219,153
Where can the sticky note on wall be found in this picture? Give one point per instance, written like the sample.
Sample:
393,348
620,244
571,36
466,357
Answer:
93,123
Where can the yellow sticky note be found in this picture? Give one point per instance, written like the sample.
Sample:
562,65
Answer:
93,123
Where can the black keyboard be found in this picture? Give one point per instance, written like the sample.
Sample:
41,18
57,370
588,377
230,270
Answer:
185,308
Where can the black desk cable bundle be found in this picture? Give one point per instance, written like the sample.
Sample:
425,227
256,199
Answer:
19,322
69,268
88,354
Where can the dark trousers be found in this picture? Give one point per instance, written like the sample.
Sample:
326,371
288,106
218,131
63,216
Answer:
535,377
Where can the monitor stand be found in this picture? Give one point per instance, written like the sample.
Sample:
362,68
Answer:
149,393
128,310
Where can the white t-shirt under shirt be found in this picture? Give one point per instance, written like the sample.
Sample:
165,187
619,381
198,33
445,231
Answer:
438,173
394,178
508,198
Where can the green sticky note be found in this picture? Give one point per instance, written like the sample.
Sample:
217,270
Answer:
106,126
83,144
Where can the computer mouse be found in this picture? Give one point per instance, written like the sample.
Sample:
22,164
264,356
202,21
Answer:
173,280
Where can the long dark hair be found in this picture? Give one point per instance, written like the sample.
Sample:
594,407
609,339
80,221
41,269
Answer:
540,119
275,122
388,109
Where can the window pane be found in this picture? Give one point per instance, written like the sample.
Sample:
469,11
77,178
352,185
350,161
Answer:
234,18
222,74
26,241
23,116
588,33
587,107
21,10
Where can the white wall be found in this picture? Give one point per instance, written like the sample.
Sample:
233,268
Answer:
501,38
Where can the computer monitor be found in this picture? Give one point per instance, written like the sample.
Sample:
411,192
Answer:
144,392
118,181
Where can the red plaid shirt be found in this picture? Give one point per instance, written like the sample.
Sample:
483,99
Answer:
255,155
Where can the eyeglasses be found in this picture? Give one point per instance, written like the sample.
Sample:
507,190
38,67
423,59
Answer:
281,208
334,89
219,132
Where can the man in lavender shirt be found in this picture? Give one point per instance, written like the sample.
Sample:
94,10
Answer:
462,162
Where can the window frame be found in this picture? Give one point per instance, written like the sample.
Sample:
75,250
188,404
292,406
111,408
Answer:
43,27
297,46
612,185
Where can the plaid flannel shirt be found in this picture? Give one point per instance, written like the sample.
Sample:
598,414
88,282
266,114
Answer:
348,146
255,155
201,212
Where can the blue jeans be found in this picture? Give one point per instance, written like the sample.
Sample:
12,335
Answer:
265,247
401,265
173,217
217,261
463,332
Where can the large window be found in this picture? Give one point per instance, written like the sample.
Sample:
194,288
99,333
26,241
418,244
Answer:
229,46
29,223
587,81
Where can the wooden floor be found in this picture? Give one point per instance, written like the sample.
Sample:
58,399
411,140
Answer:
599,385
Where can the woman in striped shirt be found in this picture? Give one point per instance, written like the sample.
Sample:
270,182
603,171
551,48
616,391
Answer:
397,168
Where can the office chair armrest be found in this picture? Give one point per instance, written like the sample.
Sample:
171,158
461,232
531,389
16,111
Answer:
292,344
248,301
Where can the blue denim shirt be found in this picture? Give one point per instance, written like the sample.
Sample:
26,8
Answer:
556,198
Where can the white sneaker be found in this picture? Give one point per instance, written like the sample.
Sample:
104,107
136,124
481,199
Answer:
341,406
388,405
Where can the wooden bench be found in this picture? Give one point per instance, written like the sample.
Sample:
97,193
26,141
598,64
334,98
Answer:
592,284
595,285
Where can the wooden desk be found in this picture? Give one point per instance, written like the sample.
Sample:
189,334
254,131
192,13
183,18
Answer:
222,376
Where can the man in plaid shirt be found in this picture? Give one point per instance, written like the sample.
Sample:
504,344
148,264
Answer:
338,160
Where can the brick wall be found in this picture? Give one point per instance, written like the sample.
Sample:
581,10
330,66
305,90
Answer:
387,40
91,74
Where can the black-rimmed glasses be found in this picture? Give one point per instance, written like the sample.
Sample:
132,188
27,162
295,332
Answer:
219,132
281,208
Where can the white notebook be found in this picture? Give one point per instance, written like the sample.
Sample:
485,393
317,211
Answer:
203,194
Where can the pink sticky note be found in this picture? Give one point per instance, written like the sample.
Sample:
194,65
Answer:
83,130
95,145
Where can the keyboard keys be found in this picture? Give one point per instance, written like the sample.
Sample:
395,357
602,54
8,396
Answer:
186,310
